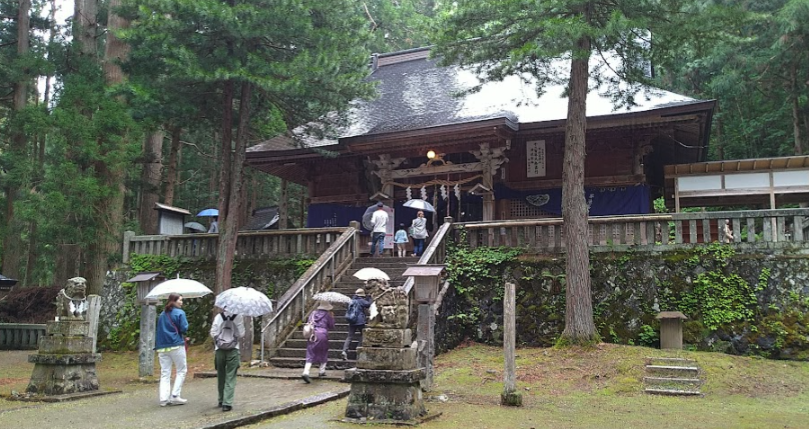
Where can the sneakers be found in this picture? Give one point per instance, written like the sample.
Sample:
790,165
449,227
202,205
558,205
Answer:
226,408
344,355
176,400
306,378
164,403
321,374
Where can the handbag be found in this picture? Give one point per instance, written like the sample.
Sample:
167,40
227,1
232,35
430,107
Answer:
309,329
185,339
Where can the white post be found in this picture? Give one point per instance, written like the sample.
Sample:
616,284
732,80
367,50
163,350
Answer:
93,310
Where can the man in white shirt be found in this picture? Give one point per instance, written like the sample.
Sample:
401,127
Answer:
380,222
227,361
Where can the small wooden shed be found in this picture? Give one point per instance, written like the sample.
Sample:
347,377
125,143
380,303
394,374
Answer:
170,219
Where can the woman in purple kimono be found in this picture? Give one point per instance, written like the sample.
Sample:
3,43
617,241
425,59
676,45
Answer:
318,351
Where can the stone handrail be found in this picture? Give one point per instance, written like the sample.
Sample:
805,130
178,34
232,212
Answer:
435,253
293,305
545,235
249,244
20,336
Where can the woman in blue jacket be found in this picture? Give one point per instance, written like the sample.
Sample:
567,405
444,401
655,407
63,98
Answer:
170,345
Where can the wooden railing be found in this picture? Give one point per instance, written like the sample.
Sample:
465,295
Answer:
545,235
20,336
435,253
254,244
293,305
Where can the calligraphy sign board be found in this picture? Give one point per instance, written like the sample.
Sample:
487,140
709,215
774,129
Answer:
535,158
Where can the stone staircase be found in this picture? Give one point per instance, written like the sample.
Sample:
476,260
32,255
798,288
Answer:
292,353
672,376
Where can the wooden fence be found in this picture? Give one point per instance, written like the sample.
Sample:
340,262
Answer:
545,235
254,244
20,336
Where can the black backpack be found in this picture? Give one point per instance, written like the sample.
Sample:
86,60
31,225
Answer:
354,311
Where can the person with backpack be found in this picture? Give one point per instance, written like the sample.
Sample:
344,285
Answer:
355,316
226,331
170,345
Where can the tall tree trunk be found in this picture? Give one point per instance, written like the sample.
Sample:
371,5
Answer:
172,169
12,242
85,27
224,265
579,326
150,181
229,206
796,110
109,168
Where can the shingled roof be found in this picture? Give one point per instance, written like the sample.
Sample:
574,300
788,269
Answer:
414,92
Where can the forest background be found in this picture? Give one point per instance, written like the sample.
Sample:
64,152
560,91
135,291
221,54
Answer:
119,106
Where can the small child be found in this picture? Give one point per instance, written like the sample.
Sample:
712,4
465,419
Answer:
401,240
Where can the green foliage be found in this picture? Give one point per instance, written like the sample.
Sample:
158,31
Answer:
469,269
165,264
648,336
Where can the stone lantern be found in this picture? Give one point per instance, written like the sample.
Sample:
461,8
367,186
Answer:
145,282
426,279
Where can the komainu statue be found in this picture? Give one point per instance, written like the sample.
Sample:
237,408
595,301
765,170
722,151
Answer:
391,303
71,302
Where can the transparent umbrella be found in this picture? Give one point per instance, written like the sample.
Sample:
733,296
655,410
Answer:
186,288
366,217
419,204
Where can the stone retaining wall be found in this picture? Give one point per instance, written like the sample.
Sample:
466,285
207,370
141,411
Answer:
630,288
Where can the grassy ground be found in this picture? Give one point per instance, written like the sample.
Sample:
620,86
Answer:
565,388
117,370
599,388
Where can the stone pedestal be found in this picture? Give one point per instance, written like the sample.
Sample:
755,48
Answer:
385,386
65,362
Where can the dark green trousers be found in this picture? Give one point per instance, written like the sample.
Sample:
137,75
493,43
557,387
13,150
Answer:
226,363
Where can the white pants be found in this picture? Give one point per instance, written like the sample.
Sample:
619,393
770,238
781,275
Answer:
176,357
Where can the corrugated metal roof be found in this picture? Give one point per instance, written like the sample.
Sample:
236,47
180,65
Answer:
762,164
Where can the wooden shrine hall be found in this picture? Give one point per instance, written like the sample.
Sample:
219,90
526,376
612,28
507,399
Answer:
491,154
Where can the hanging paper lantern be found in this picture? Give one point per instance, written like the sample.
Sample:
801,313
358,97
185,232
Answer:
409,193
458,191
424,193
443,192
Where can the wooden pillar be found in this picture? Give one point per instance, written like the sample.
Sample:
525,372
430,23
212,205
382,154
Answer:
510,395
93,311
283,206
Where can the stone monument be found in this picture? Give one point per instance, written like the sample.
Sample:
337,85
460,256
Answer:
65,362
385,386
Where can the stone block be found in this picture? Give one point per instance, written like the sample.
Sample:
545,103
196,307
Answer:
381,402
77,359
356,375
62,379
68,328
386,358
65,345
387,337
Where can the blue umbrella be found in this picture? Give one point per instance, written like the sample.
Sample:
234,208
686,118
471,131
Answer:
209,212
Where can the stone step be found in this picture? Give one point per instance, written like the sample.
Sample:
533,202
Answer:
673,368
335,335
672,380
300,343
673,392
334,353
669,361
298,362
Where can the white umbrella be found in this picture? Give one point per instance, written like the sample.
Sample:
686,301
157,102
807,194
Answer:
245,301
332,297
371,273
186,288
419,204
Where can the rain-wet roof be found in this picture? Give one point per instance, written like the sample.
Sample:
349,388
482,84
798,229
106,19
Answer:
414,92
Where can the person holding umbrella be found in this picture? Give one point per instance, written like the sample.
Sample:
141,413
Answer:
418,230
226,331
317,347
170,345
355,316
